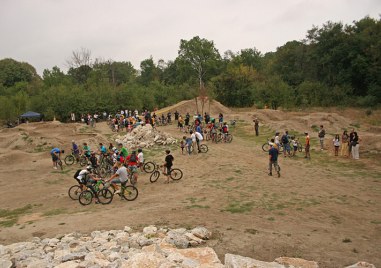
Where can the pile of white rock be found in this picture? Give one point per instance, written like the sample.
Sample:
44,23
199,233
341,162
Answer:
154,247
144,137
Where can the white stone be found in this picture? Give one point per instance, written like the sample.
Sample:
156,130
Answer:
5,263
236,261
68,264
150,230
361,264
201,232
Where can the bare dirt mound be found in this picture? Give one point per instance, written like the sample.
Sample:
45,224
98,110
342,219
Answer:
212,107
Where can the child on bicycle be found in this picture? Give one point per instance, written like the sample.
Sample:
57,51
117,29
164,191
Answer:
168,164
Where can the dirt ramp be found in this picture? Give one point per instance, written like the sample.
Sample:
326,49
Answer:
212,107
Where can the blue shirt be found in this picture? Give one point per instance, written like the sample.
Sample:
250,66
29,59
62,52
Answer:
198,129
103,149
188,141
55,150
274,154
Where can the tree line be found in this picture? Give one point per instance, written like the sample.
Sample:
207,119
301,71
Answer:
335,64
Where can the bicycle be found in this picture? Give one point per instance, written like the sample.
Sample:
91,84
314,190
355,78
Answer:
105,196
226,137
128,192
175,174
266,147
59,163
71,158
203,148
149,167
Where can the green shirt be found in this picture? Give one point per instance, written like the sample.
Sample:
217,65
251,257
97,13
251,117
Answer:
86,148
124,152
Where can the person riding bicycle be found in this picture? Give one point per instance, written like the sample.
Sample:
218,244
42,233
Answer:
85,178
120,177
167,166
225,130
123,152
86,150
93,160
75,150
56,155
132,164
102,149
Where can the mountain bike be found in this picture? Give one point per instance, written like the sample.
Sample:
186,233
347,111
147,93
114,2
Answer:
266,147
149,167
175,174
203,148
59,163
71,158
226,137
127,192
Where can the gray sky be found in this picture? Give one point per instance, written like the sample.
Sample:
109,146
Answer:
45,32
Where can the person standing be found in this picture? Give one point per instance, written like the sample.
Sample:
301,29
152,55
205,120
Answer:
307,146
336,144
256,126
194,140
273,160
321,136
351,136
344,144
168,163
355,146
56,155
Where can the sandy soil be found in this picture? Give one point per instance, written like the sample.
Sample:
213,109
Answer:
326,209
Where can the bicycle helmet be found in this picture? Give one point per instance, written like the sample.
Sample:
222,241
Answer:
88,167
114,149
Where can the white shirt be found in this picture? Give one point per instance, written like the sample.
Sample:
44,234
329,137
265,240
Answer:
193,137
82,174
122,172
276,140
141,157
199,136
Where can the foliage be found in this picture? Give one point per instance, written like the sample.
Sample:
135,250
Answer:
335,64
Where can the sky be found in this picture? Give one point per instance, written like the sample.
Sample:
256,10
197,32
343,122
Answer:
44,33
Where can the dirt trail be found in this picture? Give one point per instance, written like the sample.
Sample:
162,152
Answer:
326,209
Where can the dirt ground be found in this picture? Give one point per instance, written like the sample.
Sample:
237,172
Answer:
325,209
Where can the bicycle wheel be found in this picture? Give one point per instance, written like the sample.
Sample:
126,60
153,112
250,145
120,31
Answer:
229,138
204,148
59,163
191,149
266,147
176,174
149,167
218,138
207,136
85,198
69,160
74,192
105,196
154,176
130,193
83,161
300,147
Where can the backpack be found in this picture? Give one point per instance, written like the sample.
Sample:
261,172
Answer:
284,139
224,129
133,158
77,173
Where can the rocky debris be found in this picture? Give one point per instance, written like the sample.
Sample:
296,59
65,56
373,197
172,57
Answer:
145,137
154,247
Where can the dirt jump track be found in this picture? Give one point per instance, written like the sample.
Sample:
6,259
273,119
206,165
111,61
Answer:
325,209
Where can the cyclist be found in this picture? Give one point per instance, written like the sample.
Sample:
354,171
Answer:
122,150
168,164
75,150
93,160
102,150
120,177
86,150
85,178
132,164
56,155
225,130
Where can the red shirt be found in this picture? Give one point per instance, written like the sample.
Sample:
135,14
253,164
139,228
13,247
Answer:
129,163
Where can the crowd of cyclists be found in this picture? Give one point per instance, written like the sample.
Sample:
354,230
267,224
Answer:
114,165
